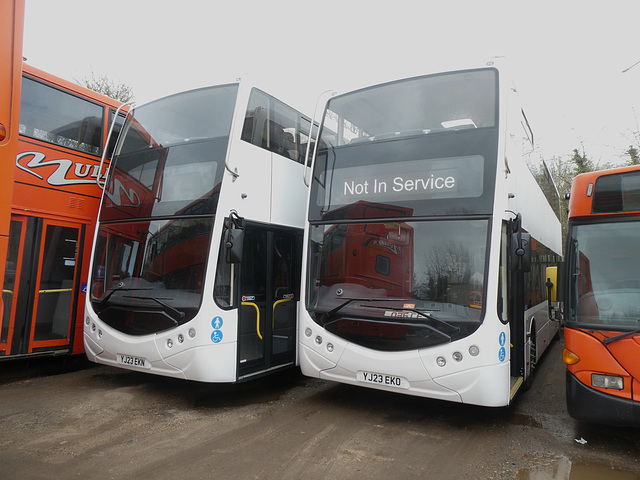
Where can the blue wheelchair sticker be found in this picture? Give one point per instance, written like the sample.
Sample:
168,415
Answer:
502,354
216,336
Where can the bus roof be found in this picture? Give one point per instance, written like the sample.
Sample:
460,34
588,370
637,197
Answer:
64,84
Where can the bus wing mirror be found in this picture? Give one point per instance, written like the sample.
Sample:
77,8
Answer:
521,252
233,244
555,290
561,282
233,237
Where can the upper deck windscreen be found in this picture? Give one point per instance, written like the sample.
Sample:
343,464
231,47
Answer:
171,158
421,105
428,144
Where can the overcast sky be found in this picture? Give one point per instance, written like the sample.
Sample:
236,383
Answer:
568,56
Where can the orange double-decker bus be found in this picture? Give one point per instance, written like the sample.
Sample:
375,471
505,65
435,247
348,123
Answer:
62,131
602,298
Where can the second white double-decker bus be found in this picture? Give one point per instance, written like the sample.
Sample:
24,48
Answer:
196,262
429,229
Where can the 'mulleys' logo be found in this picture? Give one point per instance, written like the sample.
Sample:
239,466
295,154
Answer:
70,173
66,172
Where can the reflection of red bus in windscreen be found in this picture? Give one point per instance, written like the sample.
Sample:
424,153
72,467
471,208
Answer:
602,271
376,255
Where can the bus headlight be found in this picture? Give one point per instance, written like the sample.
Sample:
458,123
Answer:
308,332
441,361
607,381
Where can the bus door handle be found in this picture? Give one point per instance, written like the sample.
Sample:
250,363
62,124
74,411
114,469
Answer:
100,183
251,304
273,316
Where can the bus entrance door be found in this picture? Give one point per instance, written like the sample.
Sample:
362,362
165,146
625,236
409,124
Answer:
269,290
40,285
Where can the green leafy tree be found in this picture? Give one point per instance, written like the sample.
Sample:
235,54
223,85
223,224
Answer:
634,156
581,163
104,85
563,173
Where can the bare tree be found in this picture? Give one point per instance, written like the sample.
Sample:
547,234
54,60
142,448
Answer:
104,85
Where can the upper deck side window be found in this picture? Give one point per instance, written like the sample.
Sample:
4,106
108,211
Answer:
274,126
61,118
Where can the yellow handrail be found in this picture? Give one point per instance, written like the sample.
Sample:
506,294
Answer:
273,316
57,290
251,304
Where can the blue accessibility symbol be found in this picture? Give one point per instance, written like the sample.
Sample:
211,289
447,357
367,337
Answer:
216,323
502,339
216,336
502,354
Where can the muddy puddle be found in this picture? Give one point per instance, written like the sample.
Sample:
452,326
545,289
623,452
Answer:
564,469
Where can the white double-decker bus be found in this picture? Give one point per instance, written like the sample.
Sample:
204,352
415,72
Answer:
195,269
430,223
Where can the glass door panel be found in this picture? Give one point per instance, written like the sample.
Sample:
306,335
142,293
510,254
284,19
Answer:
54,294
11,281
269,286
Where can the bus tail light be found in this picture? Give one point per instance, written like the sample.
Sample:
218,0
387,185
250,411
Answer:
569,357
3,132
607,381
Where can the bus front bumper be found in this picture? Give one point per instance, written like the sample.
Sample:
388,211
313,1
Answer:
589,405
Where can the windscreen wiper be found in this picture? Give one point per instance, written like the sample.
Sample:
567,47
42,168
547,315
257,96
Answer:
176,313
331,313
105,299
455,328
609,340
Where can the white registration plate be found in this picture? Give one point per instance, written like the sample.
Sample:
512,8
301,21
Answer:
132,361
383,379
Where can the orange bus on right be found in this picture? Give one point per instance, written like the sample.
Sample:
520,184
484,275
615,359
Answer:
600,285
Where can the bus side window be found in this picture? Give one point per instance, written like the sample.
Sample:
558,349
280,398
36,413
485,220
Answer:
274,126
57,117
